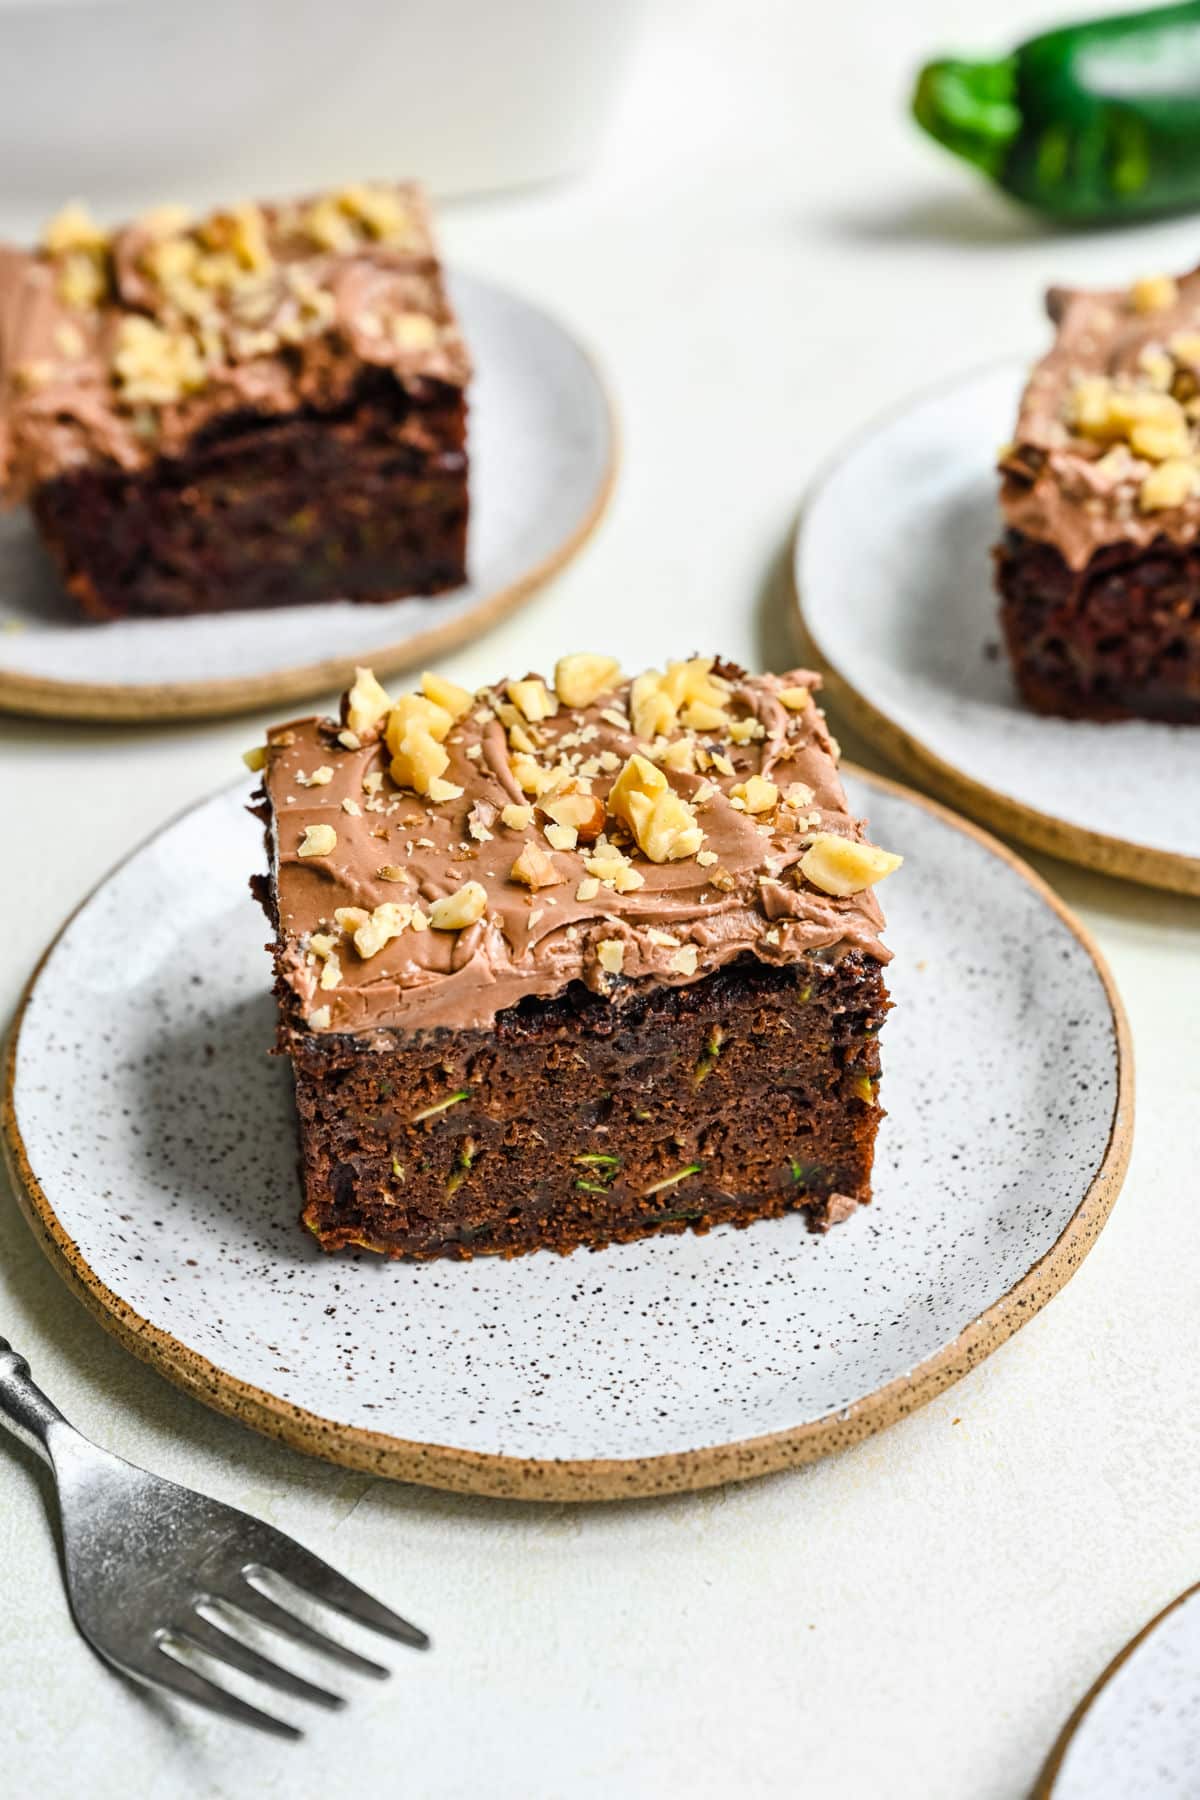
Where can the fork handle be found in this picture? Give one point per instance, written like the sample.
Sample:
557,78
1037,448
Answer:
24,1409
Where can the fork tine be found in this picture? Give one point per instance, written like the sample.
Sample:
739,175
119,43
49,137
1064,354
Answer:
165,1670
205,1634
314,1577
251,1600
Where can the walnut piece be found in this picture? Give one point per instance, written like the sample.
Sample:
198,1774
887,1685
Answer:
1172,483
153,366
367,704
756,794
318,840
458,910
583,813
842,866
447,694
383,924
1153,293
536,869
532,699
663,824
582,678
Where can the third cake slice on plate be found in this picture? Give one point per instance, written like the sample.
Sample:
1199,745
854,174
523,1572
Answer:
1099,570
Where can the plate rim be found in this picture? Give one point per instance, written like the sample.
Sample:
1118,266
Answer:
1168,869
1051,1769
45,696
502,1476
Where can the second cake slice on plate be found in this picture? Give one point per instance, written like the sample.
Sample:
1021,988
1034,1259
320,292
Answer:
568,962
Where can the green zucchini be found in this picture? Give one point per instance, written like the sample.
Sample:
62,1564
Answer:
1091,123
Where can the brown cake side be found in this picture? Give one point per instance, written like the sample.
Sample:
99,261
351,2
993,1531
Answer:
1118,639
264,407
609,1043
1099,570
367,502
587,1121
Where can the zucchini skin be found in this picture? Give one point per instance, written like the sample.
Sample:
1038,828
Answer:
1091,123
1110,117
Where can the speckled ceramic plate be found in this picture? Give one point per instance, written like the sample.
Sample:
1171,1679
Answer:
1137,1732
543,455
893,571
154,1140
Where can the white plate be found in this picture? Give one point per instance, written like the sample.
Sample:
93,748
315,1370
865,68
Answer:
893,570
155,1139
542,449
1138,1731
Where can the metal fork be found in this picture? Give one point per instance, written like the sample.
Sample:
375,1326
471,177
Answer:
159,1577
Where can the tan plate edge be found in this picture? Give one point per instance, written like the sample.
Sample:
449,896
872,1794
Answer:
524,1478
1093,849
113,703
1044,1788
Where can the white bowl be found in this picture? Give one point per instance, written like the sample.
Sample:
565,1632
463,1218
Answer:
133,101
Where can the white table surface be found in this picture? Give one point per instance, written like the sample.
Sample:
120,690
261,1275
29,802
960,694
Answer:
765,257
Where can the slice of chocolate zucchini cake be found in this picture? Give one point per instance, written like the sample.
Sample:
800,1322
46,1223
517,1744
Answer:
566,963
257,408
1099,567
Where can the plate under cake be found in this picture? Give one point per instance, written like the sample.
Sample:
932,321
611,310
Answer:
566,963
154,1142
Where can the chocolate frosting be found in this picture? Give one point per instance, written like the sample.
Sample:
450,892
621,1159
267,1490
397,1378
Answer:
296,330
1065,489
747,897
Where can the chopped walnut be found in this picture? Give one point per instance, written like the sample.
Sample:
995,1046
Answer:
440,791
536,869
533,699
458,910
1153,293
447,694
842,866
73,229
318,840
367,704
680,756
414,331
379,210
613,869
755,794
379,927
1153,424
154,365
663,824
582,812
1172,483
795,698
610,954
582,678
